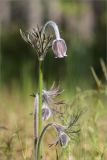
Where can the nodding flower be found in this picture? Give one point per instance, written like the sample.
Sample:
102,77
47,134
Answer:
46,112
41,42
67,132
48,100
64,132
62,138
59,48
58,45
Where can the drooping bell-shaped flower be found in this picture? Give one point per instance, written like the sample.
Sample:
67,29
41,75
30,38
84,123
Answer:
59,48
63,139
46,112
59,128
48,101
58,45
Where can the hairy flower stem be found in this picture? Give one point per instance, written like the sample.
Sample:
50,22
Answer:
35,148
40,103
54,26
40,139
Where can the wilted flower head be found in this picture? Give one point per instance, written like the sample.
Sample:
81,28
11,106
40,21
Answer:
38,40
58,45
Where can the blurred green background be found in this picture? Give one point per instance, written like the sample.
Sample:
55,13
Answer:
83,26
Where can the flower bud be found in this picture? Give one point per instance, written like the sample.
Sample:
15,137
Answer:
63,138
59,48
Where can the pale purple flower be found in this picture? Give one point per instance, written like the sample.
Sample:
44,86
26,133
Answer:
59,48
65,132
58,45
46,112
49,95
59,127
47,102
63,139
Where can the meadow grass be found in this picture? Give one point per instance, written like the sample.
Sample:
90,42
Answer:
16,124
16,127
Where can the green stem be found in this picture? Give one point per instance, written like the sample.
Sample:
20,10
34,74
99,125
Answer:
40,102
41,137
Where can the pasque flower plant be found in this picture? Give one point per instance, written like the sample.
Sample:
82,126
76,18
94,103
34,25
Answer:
45,100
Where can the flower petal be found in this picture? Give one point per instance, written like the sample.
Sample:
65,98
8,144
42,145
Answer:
63,139
59,48
59,128
46,112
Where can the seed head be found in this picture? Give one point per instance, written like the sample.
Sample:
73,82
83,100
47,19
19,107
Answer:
38,40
